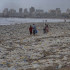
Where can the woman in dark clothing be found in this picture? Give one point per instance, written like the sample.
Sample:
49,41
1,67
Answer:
30,30
45,28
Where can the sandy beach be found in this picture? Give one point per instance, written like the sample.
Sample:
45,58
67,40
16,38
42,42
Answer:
21,51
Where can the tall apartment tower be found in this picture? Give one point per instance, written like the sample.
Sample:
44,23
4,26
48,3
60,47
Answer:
58,11
20,10
5,12
68,11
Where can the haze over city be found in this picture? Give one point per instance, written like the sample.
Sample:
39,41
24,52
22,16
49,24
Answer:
38,4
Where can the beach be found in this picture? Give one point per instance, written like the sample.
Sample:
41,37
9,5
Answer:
22,51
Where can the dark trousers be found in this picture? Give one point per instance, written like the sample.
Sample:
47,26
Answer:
33,32
30,32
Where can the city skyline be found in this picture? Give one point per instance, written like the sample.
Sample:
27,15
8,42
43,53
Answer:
28,9
35,13
38,4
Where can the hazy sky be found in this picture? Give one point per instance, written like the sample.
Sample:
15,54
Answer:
38,4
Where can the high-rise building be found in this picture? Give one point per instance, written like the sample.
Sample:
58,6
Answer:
58,12
26,13
20,10
12,12
25,10
52,12
32,10
5,12
68,11
38,11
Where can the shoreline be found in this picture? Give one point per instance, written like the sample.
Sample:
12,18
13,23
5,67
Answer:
11,21
34,18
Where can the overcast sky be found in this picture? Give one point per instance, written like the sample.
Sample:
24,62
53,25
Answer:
38,4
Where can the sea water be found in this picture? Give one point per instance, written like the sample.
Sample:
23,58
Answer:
8,21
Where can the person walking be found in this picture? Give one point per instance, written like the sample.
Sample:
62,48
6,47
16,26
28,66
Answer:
34,29
45,28
30,29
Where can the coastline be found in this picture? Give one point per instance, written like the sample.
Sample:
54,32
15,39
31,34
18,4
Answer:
12,21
